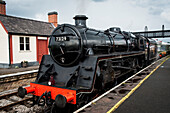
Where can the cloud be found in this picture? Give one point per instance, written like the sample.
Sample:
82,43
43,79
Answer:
25,9
82,6
158,12
131,15
41,16
166,15
155,7
155,10
99,0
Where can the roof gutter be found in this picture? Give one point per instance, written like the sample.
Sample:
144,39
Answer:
11,33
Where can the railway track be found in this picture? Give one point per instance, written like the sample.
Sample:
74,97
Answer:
10,101
18,76
112,97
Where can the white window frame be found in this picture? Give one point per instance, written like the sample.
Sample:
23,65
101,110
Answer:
24,44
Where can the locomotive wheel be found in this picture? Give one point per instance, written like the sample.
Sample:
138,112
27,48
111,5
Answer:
107,75
83,99
141,64
68,109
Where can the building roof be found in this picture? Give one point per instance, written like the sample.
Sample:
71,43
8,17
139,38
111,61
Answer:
22,26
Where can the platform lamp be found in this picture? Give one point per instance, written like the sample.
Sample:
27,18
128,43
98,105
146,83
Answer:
146,31
163,32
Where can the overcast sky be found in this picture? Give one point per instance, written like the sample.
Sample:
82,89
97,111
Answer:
129,15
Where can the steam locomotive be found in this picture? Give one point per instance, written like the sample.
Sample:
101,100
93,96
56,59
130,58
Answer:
84,61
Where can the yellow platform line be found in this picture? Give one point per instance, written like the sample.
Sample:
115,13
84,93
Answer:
130,93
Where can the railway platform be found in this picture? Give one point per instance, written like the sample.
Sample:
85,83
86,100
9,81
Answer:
4,71
12,78
153,96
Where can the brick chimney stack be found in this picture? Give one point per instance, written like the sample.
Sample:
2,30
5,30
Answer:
2,7
52,18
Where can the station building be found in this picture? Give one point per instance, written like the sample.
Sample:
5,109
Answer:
23,40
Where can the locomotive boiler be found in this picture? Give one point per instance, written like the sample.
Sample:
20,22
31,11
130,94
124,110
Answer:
84,61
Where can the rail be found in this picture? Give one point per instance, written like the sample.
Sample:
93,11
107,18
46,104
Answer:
18,76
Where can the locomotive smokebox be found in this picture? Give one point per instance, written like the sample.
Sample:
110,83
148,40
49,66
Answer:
80,20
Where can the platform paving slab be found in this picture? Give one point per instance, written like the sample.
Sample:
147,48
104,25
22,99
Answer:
153,96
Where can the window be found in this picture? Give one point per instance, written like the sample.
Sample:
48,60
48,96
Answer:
24,43
21,43
27,43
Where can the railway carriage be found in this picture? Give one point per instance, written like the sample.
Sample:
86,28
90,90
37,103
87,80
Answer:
163,49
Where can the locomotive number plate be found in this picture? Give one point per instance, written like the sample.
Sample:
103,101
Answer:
63,38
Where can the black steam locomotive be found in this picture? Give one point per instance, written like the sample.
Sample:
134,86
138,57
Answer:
84,61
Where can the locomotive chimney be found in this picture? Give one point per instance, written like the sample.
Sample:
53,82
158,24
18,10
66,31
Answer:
115,29
80,20
52,18
2,7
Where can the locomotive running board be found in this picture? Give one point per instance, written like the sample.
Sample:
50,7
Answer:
81,76
118,55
